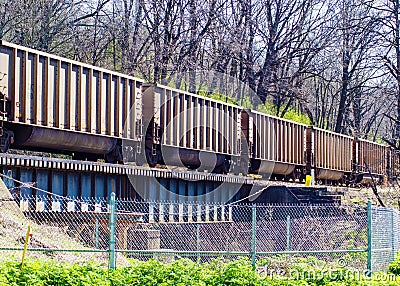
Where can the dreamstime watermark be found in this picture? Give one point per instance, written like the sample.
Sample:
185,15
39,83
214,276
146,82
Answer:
334,273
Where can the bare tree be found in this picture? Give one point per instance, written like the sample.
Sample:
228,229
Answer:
358,37
292,33
390,54
9,17
321,57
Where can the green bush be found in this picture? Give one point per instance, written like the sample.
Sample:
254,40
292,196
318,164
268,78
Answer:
291,114
148,273
179,272
394,267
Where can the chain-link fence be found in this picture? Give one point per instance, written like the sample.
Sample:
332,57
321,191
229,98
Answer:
384,237
107,231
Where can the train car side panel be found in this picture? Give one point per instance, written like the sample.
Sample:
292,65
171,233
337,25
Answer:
278,144
371,157
46,91
330,153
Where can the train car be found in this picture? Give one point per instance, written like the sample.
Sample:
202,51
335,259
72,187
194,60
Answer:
184,129
53,103
393,164
370,160
329,154
276,145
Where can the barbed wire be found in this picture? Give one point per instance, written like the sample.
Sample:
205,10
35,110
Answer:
41,190
204,211
30,185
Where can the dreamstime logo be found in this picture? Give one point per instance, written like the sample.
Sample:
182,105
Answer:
183,131
333,274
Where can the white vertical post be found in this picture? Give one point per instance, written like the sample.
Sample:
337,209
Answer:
180,211
84,207
97,208
39,206
55,206
198,213
190,213
215,213
161,213
207,213
71,206
151,212
171,213
312,177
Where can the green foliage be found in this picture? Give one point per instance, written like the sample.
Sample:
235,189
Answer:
394,267
268,107
219,97
291,114
378,139
42,273
152,272
183,272
245,102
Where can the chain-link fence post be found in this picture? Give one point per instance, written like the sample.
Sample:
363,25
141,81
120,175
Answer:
369,218
253,235
198,241
112,232
96,234
392,254
395,233
288,233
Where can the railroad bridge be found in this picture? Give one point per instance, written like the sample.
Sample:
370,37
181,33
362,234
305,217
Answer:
34,176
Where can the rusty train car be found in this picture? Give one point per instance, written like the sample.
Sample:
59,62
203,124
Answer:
189,130
52,103
329,154
55,104
276,145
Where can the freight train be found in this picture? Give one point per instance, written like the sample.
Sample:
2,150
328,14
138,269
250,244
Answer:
58,105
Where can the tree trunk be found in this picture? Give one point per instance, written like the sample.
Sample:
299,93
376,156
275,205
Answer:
343,90
397,48
193,46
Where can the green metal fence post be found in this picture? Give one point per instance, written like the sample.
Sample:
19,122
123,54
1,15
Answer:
96,237
112,232
253,235
393,252
288,233
369,217
198,241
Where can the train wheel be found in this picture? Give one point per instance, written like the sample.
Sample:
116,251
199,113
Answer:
6,140
226,166
115,156
151,159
